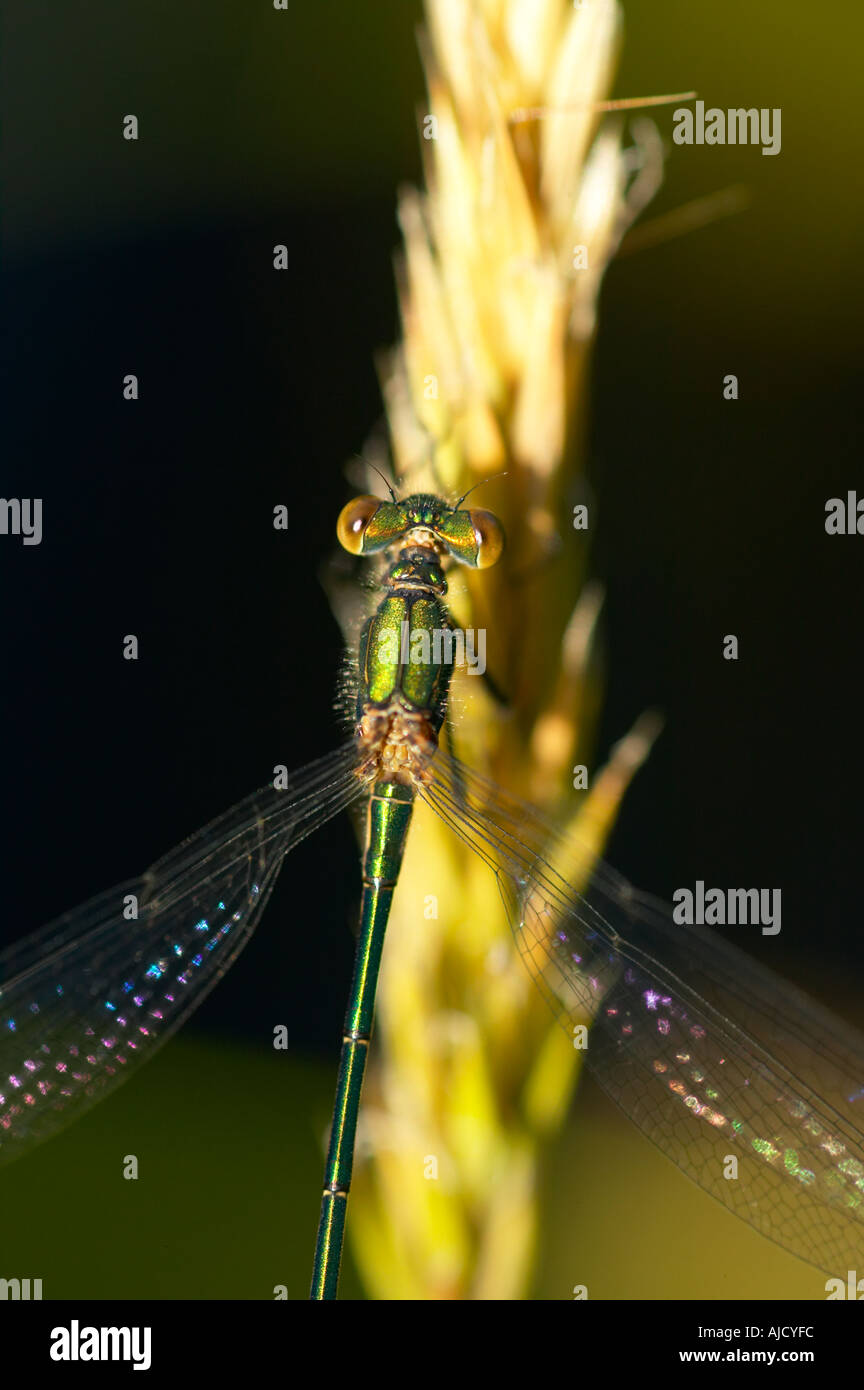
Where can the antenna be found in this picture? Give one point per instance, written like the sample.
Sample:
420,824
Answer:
384,481
476,485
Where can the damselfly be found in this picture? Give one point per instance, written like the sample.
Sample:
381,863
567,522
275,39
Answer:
712,1056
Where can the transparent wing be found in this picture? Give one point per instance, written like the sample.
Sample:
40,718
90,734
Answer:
708,1052
87,999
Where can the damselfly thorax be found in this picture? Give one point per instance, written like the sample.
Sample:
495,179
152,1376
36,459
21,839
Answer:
404,669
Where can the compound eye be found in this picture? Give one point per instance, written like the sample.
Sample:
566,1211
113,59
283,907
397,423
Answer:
353,521
490,538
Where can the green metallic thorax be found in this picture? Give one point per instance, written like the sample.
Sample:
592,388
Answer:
404,657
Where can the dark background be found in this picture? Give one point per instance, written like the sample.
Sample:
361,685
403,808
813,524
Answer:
256,387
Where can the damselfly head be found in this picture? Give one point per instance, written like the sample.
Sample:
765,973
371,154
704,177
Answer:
473,537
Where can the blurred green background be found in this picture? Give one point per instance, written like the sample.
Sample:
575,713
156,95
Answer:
260,127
